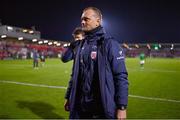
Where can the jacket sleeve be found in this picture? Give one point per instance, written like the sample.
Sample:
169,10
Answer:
68,92
67,55
117,64
69,88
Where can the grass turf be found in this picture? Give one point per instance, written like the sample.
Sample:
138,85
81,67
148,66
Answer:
160,78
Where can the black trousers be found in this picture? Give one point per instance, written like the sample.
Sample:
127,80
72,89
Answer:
90,111
90,115
35,63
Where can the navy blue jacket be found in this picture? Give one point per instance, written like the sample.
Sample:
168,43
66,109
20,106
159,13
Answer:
112,75
69,53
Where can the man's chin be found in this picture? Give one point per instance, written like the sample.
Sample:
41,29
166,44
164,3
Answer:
85,29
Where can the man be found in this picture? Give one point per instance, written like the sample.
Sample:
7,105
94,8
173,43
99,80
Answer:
42,58
99,86
35,59
68,54
142,60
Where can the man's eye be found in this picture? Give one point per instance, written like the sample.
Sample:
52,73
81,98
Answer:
85,19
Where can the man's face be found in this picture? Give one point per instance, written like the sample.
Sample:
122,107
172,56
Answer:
89,20
78,37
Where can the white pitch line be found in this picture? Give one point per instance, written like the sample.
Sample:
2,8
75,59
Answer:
152,70
62,87
152,98
34,85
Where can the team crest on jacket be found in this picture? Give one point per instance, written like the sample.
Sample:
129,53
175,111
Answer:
93,55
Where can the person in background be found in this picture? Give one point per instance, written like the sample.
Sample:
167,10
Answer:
69,52
42,58
35,59
142,60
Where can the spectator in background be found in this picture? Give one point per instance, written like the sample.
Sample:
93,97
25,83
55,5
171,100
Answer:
42,58
35,59
69,53
142,60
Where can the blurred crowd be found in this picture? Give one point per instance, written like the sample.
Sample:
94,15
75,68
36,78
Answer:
20,50
164,52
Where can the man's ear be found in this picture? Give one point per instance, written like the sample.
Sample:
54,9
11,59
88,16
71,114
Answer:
99,21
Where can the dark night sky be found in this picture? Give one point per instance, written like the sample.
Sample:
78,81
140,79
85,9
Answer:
128,21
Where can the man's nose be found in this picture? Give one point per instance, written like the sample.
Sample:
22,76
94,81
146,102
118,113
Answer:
82,22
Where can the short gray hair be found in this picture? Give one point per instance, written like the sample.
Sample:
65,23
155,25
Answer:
96,10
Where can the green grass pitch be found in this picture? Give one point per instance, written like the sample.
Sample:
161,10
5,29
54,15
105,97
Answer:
24,91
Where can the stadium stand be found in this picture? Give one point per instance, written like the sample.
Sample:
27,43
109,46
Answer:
164,50
18,43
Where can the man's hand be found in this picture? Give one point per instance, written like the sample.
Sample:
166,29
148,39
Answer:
121,114
74,44
66,105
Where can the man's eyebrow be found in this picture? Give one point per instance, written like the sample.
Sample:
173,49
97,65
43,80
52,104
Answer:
84,18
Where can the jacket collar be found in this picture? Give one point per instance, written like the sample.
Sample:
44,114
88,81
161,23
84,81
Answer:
95,34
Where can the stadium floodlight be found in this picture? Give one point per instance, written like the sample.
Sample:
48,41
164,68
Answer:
125,45
159,45
24,30
45,41
148,46
58,44
50,43
9,28
172,46
65,45
34,40
3,36
40,42
55,42
20,38
31,31
156,46
136,45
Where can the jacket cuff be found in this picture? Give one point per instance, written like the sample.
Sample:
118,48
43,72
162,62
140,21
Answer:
66,96
121,107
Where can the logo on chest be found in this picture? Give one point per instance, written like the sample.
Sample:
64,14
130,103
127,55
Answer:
93,55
